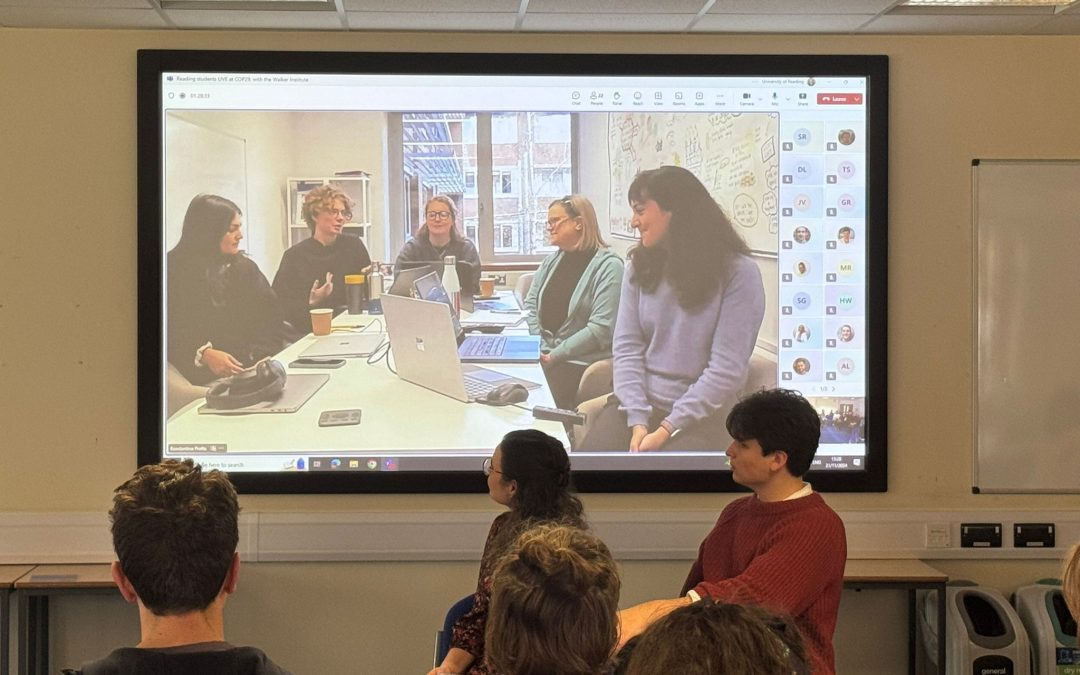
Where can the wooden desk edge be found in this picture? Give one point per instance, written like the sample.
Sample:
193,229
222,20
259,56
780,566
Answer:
892,571
74,577
9,574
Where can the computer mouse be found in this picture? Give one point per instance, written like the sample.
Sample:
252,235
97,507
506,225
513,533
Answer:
507,394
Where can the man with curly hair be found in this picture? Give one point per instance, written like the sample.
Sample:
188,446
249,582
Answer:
175,530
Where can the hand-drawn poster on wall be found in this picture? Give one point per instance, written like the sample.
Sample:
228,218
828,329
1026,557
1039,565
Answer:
734,154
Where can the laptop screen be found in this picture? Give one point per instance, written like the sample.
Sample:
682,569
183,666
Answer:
429,287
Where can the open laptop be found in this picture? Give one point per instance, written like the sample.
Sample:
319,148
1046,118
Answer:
480,348
404,282
425,351
404,278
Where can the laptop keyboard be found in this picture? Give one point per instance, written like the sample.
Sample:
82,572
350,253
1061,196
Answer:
486,345
475,388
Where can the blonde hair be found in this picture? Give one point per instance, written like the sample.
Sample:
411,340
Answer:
1070,580
321,200
553,607
579,207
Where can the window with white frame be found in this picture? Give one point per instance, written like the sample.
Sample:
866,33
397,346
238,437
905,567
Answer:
501,169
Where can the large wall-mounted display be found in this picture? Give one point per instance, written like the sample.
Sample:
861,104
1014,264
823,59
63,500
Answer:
733,213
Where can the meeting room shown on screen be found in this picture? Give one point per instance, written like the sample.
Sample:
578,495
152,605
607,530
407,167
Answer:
303,220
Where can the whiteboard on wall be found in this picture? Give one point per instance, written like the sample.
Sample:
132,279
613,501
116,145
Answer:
201,160
735,155
1027,325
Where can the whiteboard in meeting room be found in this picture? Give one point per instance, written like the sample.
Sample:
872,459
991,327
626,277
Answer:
1027,325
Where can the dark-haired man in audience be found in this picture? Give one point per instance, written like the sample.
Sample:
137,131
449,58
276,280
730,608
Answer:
175,532
782,547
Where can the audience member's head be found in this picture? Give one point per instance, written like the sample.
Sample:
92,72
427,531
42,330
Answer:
554,601
708,638
540,469
780,420
175,532
1070,582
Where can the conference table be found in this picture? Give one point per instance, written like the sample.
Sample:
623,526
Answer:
9,574
398,417
911,576
33,591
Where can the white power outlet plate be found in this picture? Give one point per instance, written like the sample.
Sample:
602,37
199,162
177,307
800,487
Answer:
938,535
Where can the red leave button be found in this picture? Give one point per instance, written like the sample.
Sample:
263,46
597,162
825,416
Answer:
839,99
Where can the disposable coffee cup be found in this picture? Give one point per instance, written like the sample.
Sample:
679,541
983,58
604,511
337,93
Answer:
320,321
487,286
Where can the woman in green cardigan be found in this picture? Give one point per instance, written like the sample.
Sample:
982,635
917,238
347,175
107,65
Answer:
574,297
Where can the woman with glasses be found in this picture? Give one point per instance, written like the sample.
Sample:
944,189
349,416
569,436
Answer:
439,237
574,297
691,306
312,272
529,473
223,316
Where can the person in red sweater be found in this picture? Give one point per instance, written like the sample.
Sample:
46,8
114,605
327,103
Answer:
782,548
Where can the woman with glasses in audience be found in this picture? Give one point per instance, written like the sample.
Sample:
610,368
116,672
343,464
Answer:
312,272
554,605
574,297
222,314
691,306
529,473
439,237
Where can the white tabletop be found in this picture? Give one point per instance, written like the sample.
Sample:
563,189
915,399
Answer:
397,416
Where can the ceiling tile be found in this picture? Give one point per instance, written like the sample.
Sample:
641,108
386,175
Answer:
55,17
801,6
81,4
209,18
953,24
608,23
780,23
607,6
458,21
427,6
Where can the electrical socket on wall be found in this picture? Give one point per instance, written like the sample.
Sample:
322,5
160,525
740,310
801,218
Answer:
938,535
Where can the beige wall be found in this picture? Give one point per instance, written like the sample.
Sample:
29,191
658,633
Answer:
68,312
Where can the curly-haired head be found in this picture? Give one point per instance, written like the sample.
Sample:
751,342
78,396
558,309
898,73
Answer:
321,200
554,605
175,530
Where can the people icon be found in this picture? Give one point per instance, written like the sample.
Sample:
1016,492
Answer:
801,366
802,234
846,333
802,268
801,333
846,136
846,235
